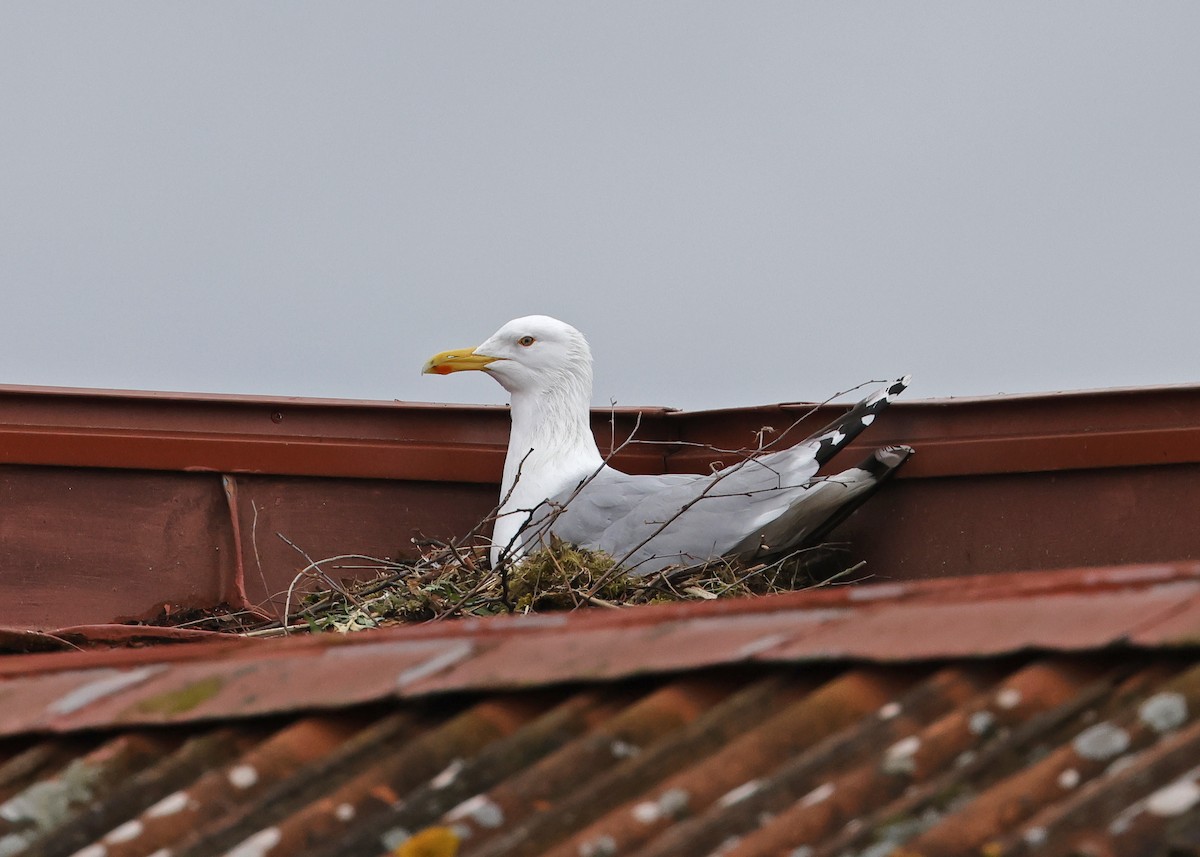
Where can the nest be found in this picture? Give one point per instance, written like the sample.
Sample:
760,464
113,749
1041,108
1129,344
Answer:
449,581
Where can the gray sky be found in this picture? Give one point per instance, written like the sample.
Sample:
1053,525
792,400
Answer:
738,203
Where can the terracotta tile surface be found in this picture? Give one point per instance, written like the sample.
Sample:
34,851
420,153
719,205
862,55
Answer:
1027,714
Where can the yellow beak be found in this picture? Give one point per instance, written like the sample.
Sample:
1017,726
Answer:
460,360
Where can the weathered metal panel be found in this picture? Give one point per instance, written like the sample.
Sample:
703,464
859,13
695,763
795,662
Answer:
84,545
116,504
333,517
981,524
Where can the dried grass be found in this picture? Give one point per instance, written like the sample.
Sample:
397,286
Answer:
449,582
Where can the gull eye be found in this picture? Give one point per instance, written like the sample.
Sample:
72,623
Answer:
526,341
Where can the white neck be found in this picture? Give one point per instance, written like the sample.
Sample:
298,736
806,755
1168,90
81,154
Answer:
550,449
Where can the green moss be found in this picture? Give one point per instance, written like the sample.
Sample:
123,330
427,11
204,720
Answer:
561,576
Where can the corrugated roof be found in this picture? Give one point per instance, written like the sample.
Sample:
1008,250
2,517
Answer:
1036,713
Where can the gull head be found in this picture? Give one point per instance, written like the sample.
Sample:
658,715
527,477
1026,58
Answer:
534,354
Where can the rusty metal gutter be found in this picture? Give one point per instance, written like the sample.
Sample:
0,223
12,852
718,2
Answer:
1081,430
276,435
121,504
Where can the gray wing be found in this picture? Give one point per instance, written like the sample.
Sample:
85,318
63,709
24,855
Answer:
749,512
709,516
768,503
676,517
582,515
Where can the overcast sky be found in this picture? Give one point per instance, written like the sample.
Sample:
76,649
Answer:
738,203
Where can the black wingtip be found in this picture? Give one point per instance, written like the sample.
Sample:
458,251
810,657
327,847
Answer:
848,426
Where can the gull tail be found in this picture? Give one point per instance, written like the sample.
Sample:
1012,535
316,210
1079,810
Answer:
862,481
823,505
847,427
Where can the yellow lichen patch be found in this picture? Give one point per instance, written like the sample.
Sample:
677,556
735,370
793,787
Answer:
183,699
430,842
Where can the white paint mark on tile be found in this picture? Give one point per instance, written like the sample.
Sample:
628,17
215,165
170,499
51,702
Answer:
1035,836
1102,741
981,722
344,812
1164,711
892,709
448,776
1124,819
96,849
447,658
1174,799
624,750
674,801
128,831
762,644
112,681
257,845
646,812
540,620
726,846
392,839
898,758
601,846
1119,764
243,776
739,794
670,804
818,795
171,804
1068,779
1008,698
481,809
462,831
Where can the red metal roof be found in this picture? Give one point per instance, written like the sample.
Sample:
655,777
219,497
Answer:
120,505
925,713
1004,714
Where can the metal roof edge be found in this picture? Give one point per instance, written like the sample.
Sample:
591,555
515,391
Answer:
1086,609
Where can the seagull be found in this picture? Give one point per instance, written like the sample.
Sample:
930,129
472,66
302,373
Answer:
557,483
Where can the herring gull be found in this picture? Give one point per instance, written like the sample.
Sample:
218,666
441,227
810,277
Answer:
557,483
